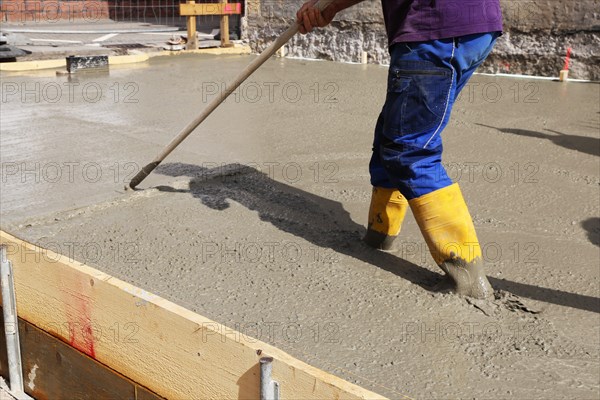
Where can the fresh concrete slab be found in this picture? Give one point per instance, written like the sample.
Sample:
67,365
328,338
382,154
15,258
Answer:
255,221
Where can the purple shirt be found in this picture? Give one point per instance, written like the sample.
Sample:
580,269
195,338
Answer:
423,20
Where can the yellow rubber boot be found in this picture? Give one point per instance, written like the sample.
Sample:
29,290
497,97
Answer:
448,229
386,213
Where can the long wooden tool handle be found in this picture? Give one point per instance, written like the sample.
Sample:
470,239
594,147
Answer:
253,66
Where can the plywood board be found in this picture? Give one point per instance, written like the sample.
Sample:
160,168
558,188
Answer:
54,370
210,9
172,351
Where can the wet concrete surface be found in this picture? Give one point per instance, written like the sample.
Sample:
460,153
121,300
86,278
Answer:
255,221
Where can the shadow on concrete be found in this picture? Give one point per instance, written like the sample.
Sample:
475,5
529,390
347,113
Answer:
318,220
326,224
592,227
583,144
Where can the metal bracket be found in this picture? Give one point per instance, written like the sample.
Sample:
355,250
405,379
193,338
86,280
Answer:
11,327
269,389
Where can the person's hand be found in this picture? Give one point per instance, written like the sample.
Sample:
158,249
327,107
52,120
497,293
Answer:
309,17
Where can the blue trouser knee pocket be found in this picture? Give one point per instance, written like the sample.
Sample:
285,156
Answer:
413,116
423,81
416,100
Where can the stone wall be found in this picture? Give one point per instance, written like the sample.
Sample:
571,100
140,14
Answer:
537,35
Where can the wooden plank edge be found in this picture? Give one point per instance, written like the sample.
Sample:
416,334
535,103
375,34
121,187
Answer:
18,66
128,59
47,365
36,65
210,9
235,50
287,369
40,65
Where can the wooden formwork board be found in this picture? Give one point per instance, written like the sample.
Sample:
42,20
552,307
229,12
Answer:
155,343
54,370
210,9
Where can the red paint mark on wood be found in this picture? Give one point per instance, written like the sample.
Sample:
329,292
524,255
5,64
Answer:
81,337
233,8
81,332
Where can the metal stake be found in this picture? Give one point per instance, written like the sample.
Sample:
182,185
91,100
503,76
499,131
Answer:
11,327
269,389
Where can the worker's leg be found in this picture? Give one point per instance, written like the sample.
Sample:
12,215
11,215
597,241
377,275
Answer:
423,82
388,206
471,52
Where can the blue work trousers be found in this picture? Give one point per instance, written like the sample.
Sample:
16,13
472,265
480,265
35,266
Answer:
424,80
